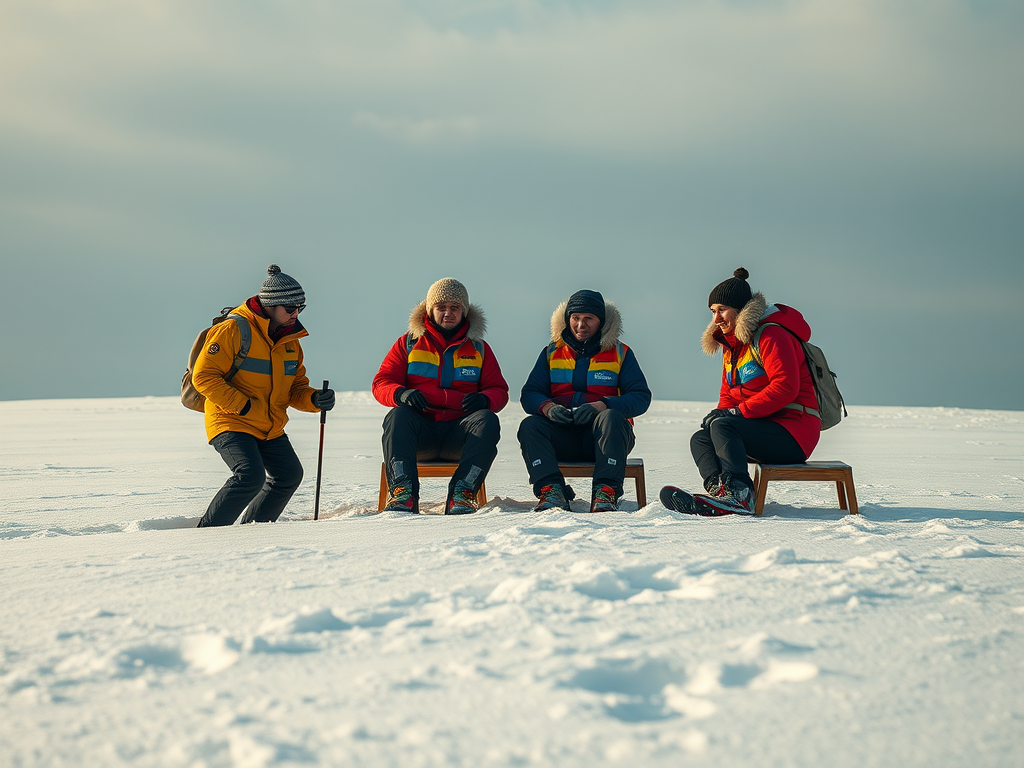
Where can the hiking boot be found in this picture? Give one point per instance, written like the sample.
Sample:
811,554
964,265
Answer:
551,497
713,485
402,500
736,496
462,500
605,499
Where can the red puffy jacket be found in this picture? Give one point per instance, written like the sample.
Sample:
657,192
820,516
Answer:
762,391
443,370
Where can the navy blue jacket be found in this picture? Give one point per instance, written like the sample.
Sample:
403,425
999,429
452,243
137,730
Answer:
634,400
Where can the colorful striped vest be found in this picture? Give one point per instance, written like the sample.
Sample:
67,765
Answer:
602,373
746,368
454,368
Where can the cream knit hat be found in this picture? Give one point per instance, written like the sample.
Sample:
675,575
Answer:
447,289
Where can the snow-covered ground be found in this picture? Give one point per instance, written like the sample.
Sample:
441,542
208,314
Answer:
507,638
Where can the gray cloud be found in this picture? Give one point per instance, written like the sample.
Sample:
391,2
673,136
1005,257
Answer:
864,159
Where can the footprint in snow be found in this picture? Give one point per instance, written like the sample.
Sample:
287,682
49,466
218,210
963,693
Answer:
632,691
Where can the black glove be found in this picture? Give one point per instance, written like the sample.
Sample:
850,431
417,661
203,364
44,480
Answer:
475,401
413,398
559,414
719,413
584,414
323,399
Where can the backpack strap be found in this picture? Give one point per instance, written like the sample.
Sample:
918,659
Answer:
756,352
754,349
804,409
245,332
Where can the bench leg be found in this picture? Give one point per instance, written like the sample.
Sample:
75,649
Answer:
760,491
641,490
481,495
382,499
851,494
841,493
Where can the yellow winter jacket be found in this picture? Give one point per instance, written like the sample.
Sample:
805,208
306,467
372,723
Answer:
272,377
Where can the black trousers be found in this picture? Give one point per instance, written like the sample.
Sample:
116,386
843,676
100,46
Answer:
409,436
723,448
606,441
263,472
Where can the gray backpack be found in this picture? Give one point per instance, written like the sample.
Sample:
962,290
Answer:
190,397
831,407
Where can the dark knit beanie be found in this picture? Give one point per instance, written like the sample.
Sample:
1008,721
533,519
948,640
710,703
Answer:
733,292
585,302
280,288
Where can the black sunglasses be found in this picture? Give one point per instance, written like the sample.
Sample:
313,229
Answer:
290,308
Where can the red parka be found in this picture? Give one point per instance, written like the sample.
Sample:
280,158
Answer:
763,390
445,371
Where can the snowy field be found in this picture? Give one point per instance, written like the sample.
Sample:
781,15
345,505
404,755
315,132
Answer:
507,638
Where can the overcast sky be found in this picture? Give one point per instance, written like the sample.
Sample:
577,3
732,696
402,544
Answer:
864,159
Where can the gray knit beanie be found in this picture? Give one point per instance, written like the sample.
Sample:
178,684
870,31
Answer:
280,288
447,289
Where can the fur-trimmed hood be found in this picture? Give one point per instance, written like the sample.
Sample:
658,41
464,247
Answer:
476,322
746,325
757,312
610,331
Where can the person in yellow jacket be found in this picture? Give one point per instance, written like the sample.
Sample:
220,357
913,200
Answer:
245,416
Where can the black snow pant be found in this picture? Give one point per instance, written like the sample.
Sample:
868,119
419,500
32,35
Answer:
264,472
606,441
724,446
409,436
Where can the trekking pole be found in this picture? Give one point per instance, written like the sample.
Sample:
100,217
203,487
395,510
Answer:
320,460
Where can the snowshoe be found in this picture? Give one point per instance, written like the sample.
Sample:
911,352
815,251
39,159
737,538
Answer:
699,504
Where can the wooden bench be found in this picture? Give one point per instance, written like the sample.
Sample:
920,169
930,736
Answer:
427,469
813,471
634,469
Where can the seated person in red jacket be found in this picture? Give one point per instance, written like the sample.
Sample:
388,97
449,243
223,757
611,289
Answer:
583,393
444,387
767,407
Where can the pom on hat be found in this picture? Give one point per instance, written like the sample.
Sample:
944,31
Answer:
734,292
445,290
280,288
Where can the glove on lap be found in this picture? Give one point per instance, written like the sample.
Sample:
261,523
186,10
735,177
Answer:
720,413
413,398
559,414
584,414
475,401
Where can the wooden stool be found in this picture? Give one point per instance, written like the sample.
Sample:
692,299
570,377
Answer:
427,469
634,469
817,471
